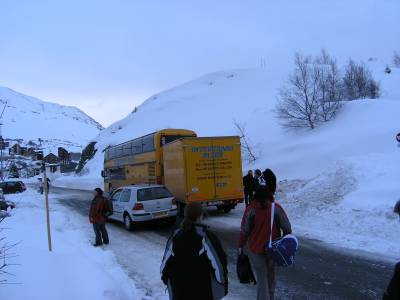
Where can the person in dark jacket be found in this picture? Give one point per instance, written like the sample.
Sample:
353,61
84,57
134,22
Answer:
270,180
396,208
255,232
249,186
194,265
97,218
393,290
48,184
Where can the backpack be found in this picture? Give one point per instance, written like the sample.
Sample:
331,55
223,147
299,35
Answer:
108,207
243,269
282,251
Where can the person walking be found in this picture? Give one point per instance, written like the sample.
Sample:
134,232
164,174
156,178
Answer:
255,232
48,184
41,189
393,290
97,218
270,180
396,209
249,185
194,265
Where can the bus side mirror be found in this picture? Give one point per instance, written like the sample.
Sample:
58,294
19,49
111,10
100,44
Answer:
102,173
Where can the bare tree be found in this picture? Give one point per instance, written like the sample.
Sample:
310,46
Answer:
358,82
5,255
298,103
330,86
313,93
247,147
396,60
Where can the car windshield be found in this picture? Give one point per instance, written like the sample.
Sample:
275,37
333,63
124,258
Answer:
153,193
161,192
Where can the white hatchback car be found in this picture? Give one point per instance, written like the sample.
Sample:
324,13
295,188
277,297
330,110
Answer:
142,203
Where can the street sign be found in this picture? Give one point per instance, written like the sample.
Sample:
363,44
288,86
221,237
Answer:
398,137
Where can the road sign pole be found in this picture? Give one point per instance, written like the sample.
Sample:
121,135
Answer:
46,199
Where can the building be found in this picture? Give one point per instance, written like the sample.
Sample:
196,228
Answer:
52,162
15,149
63,156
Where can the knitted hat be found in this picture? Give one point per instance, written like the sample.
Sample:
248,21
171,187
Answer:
99,191
270,180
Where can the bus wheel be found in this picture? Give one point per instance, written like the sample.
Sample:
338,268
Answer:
128,222
227,209
220,207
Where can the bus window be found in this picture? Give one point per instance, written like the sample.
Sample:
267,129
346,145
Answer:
120,151
165,139
148,143
117,174
127,149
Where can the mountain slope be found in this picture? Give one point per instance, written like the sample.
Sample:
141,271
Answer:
29,118
337,181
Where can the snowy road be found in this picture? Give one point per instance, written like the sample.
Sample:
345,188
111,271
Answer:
321,272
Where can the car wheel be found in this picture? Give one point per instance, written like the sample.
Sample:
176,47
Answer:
128,222
172,221
181,210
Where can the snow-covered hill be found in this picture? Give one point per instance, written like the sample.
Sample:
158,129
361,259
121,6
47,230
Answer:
29,118
338,180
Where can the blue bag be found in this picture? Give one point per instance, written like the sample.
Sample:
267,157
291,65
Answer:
282,251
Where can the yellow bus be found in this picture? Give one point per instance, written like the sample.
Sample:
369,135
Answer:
139,161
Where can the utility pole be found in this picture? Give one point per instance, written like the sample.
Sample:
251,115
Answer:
2,143
46,201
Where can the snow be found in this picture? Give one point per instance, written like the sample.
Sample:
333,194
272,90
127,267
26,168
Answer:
57,125
73,270
348,168
77,182
339,181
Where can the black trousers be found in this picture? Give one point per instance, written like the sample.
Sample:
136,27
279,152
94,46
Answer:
248,195
101,233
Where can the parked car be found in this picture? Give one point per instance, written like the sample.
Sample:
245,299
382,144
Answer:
12,187
142,203
5,204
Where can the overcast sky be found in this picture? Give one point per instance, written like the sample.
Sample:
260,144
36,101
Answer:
106,57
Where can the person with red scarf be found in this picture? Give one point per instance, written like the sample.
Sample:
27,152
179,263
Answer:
255,233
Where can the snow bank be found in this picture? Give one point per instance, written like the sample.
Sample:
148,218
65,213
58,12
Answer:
77,182
74,270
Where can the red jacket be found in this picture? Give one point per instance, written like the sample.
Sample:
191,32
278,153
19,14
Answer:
256,226
96,211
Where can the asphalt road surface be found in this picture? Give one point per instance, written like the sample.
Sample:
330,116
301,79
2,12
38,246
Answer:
321,271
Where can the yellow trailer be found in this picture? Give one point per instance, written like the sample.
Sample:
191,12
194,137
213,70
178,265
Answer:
206,170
